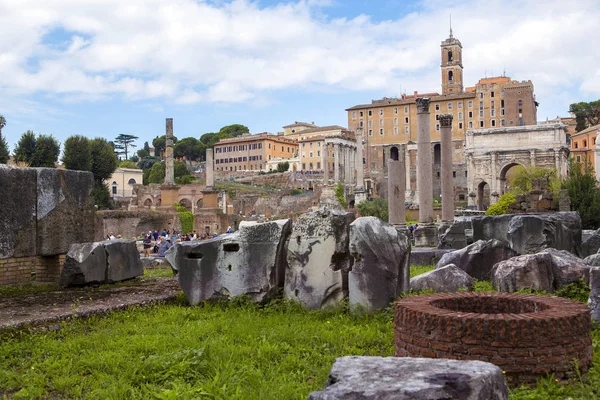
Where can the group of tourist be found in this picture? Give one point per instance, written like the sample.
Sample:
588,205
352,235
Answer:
158,243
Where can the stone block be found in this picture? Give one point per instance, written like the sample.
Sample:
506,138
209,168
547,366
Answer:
85,264
449,278
594,300
65,209
593,260
381,269
591,243
319,259
122,260
18,216
252,262
403,378
452,236
423,256
477,259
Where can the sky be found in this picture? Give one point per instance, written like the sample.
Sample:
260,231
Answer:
100,68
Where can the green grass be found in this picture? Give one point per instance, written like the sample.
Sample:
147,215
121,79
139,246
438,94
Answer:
158,273
225,350
31,288
420,269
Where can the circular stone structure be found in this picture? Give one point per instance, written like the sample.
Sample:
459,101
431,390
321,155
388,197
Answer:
527,336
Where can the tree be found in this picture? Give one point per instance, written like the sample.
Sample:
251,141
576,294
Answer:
77,154
4,154
584,194
25,147
586,114
147,147
147,162
47,150
283,166
157,173
143,153
190,148
233,130
160,144
123,142
104,163
180,169
2,125
128,164
134,158
374,208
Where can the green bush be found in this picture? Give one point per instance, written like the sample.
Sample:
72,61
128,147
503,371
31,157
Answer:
502,205
187,219
339,194
374,208
184,180
297,191
283,166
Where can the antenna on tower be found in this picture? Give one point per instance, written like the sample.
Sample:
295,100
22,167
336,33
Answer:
504,72
451,26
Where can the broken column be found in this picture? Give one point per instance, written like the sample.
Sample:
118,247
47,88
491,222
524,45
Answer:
446,168
360,194
426,234
210,179
325,163
396,186
169,163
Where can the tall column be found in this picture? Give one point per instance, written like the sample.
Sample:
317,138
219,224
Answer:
494,183
426,234
532,158
347,178
446,168
169,162
210,180
424,164
360,174
470,181
396,188
325,162
336,168
408,191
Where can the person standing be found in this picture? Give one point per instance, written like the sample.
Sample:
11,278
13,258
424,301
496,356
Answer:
147,244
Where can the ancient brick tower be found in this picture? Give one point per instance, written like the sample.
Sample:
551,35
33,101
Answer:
452,68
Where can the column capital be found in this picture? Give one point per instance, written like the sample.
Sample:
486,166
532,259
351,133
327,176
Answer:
422,105
445,120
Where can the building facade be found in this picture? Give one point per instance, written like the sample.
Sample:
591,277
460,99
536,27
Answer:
120,184
583,145
251,152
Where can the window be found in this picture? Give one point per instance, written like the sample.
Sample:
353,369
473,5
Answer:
311,166
454,174
395,121
289,151
318,165
406,120
502,103
370,112
460,125
481,95
405,109
381,121
493,122
395,110
303,145
381,131
492,94
502,111
437,127
304,166
360,113
449,106
450,76
459,104
470,104
310,145
370,123
437,107
585,144
406,129
318,144
578,158
381,111
361,124
353,114
502,122
370,132
114,188
470,114
460,115
492,104
450,56
481,105
481,113
282,149
465,174
492,112
575,143
470,124
481,124
318,153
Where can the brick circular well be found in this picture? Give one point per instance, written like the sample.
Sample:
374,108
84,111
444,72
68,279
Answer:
527,336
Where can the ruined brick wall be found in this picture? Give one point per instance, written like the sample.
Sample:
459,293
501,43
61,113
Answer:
130,224
22,270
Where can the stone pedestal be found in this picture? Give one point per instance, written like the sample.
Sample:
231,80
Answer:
360,195
169,195
210,199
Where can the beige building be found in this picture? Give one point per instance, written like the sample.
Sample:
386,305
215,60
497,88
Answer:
122,180
273,163
251,152
298,127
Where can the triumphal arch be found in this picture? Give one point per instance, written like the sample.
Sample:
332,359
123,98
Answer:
491,153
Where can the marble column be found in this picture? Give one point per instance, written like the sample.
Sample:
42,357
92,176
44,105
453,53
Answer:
336,165
325,163
360,172
348,174
446,168
494,184
169,162
408,191
210,180
396,189
470,182
424,163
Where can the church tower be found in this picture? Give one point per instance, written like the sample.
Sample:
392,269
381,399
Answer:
452,68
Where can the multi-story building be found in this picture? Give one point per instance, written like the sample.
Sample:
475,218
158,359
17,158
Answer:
492,102
298,127
583,145
251,152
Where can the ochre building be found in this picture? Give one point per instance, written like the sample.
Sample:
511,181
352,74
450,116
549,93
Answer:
251,152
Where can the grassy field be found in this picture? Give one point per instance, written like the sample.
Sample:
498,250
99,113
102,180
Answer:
228,350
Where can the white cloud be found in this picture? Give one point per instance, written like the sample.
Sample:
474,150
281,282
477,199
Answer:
189,52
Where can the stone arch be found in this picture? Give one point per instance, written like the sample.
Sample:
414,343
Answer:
185,202
394,153
200,204
483,196
502,175
131,182
148,203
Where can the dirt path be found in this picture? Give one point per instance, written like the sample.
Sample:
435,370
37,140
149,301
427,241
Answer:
44,308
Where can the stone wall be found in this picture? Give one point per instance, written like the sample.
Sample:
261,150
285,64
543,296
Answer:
44,211
130,224
286,206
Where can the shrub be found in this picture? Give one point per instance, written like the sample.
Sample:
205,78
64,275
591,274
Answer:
502,205
297,191
339,194
374,208
186,217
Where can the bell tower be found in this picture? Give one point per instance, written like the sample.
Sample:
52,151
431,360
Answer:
452,68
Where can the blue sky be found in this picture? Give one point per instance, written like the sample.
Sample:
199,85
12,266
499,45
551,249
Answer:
105,67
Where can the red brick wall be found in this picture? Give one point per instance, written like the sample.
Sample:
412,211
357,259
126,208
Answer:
19,271
492,327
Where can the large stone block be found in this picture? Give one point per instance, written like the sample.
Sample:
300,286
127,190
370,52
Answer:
65,209
85,264
477,259
594,300
400,378
448,278
122,260
319,259
531,233
251,262
381,269
548,270
18,215
452,236
591,244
